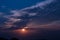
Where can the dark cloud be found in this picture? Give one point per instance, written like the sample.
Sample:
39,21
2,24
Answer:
50,13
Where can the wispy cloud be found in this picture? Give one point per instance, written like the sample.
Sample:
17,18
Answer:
40,5
22,12
53,25
1,14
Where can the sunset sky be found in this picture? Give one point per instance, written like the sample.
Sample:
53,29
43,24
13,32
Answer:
17,14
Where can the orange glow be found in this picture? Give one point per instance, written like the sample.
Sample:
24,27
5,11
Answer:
23,30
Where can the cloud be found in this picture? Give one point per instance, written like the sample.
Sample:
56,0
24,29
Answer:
41,15
10,22
53,25
38,8
15,13
40,5
1,14
21,13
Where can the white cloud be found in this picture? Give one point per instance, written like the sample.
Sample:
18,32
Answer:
32,14
40,5
22,12
14,19
15,13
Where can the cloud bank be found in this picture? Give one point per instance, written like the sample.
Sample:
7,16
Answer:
42,15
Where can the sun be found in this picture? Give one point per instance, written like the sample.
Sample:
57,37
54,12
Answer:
23,30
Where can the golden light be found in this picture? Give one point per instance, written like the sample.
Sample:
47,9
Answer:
23,30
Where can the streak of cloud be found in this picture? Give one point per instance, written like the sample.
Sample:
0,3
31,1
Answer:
52,25
40,5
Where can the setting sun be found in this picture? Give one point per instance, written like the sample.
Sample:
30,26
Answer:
23,30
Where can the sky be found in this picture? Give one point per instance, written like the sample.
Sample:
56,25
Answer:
35,14
18,4
16,14
10,5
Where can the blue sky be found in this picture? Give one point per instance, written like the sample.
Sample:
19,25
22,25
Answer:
18,4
